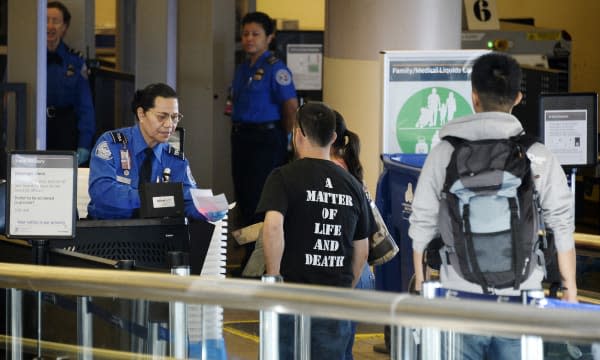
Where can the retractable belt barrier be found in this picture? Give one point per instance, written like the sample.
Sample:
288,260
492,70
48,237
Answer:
131,327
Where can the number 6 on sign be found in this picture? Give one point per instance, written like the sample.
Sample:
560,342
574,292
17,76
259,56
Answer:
481,14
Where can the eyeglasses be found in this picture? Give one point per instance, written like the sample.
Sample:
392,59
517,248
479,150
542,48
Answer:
298,117
163,116
54,21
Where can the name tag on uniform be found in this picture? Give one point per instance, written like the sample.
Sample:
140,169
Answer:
163,201
124,180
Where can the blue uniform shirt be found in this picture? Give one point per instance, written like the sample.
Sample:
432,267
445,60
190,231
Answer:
260,90
113,188
67,85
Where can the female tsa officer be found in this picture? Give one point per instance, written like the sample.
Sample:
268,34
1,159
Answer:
264,106
125,158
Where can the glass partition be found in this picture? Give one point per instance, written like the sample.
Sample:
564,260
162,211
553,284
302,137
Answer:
112,314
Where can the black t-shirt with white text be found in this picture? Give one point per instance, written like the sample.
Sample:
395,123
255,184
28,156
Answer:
325,209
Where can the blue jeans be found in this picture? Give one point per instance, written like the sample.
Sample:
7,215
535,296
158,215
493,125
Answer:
366,282
328,338
478,347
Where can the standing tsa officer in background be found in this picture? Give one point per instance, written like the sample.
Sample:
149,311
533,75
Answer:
264,106
70,119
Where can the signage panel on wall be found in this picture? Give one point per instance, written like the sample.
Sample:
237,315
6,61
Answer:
41,194
422,91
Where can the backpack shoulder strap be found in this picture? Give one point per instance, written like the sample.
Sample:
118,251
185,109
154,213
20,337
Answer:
454,140
525,140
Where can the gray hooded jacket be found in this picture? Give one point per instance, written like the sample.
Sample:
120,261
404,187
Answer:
549,178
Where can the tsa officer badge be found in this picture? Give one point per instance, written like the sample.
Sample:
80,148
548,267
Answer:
258,75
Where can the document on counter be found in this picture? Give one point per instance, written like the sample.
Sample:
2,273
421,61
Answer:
206,203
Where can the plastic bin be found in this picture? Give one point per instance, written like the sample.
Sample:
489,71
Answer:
395,189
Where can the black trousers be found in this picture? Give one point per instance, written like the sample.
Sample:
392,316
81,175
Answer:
61,129
255,152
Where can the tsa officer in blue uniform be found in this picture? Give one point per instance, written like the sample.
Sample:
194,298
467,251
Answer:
264,107
70,119
118,156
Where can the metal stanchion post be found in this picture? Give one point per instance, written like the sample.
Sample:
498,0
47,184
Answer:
431,339
302,341
532,347
16,323
178,345
39,249
269,327
85,332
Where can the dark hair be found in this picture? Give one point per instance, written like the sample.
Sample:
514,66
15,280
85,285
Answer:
63,9
145,98
317,122
496,78
261,18
347,145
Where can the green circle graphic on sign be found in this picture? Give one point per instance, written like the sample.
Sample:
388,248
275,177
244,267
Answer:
424,113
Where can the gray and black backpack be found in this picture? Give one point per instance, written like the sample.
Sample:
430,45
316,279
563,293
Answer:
489,217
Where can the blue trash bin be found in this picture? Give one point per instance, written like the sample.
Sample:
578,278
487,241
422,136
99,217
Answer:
395,189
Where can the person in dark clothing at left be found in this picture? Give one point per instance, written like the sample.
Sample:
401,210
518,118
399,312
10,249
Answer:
70,118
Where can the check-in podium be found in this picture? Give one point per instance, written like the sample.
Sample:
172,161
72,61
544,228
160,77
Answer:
123,245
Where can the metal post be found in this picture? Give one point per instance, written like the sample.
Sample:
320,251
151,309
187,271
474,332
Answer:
532,347
156,346
177,310
431,339
39,249
16,323
269,327
302,346
85,331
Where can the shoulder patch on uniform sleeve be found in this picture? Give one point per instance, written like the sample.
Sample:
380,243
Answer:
75,52
188,171
103,151
118,137
272,59
283,77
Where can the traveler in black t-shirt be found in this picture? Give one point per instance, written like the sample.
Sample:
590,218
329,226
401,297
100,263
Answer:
317,222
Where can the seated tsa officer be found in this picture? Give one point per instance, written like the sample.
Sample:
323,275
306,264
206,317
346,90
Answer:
125,158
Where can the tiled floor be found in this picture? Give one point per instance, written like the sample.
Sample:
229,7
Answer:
241,339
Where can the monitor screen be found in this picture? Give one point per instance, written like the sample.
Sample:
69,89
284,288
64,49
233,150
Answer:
41,194
177,138
569,127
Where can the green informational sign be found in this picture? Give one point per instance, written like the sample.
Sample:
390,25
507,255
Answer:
424,113
423,91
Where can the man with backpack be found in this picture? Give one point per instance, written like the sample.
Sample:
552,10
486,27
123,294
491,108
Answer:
488,189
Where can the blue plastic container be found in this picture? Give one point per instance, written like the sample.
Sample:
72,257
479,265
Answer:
395,189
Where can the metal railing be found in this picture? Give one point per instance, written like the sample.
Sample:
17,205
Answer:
335,303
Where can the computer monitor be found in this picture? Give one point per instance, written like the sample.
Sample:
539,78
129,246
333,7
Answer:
568,126
177,139
41,195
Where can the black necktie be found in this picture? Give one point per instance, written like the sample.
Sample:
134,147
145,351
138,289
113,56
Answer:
53,58
146,168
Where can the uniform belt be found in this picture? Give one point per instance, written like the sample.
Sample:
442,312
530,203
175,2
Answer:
53,111
268,125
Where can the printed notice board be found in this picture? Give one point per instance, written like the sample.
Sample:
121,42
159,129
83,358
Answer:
42,188
422,91
569,127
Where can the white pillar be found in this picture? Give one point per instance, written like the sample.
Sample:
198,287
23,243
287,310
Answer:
26,63
205,70
156,42
355,32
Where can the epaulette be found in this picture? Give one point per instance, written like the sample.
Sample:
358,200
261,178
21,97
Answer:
175,152
272,59
75,52
118,137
